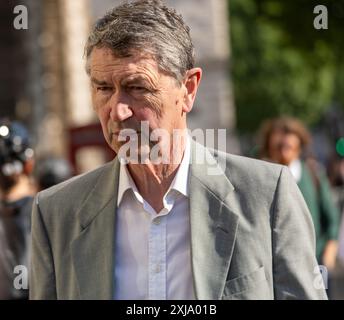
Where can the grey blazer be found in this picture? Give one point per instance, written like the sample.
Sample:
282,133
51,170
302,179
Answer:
251,233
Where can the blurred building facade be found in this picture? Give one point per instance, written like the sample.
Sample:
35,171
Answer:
44,83
14,66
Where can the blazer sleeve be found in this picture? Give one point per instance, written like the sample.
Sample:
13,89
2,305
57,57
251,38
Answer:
42,275
296,274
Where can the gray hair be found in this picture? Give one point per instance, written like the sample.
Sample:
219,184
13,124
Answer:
145,27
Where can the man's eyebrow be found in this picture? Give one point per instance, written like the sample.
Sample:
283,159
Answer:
134,79
99,82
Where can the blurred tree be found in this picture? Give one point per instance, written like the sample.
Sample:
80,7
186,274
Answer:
281,63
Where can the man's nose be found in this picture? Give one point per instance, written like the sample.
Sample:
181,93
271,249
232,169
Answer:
120,110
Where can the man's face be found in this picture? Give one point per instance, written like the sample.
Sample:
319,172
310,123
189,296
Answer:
126,91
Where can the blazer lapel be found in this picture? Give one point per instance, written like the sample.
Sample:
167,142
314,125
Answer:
213,224
93,249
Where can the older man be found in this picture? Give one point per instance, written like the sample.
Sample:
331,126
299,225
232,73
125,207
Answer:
171,229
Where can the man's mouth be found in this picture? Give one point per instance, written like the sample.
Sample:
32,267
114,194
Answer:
126,133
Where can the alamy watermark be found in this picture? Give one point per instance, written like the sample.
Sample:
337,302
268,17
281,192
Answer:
159,146
21,281
321,277
21,20
321,20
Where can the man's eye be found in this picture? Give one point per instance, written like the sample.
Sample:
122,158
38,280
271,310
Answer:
138,89
104,88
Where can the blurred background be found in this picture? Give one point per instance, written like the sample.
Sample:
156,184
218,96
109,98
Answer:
261,59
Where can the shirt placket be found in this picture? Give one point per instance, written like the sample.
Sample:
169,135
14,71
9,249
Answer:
157,259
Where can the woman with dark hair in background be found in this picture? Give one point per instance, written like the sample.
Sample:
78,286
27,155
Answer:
285,140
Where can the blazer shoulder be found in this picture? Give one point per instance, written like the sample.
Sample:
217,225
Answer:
257,171
75,189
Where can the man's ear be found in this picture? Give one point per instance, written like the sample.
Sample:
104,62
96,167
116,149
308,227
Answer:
191,83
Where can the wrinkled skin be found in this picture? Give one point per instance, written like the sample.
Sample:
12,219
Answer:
127,91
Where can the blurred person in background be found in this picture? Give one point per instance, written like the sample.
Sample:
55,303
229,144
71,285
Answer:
51,171
285,140
17,191
341,240
336,170
336,175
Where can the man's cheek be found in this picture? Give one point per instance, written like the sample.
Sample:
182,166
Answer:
153,104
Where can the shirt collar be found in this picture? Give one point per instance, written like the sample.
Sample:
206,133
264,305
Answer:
179,183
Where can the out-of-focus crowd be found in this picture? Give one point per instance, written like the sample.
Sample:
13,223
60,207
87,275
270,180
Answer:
21,177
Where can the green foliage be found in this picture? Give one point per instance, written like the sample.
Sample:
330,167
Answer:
281,64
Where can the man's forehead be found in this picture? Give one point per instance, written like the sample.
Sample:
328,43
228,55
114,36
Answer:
104,60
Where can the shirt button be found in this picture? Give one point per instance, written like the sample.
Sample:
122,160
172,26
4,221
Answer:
157,268
157,221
